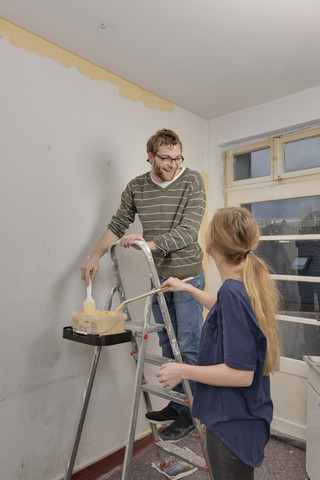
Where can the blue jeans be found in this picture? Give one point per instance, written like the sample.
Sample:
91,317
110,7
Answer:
187,319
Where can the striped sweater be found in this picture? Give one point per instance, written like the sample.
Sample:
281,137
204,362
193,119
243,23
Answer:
170,216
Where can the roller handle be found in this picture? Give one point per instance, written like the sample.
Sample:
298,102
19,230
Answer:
123,304
89,292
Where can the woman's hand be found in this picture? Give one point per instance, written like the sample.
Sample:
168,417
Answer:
170,375
174,285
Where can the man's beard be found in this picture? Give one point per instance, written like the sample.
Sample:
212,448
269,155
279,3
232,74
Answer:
159,172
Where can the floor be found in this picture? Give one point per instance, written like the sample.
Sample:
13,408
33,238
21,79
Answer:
284,460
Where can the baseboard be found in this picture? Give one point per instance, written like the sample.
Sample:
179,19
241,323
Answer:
288,428
109,463
295,442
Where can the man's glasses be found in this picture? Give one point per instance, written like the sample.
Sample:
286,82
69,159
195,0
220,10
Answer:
168,160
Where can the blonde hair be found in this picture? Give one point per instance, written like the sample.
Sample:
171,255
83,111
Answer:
235,234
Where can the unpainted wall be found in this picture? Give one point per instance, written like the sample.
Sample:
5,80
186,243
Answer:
72,135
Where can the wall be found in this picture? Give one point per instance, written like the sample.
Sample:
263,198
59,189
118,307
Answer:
72,135
286,114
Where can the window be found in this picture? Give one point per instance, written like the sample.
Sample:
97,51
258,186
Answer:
248,164
289,156
273,180
300,153
252,164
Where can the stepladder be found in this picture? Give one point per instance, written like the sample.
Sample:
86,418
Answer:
138,332
140,335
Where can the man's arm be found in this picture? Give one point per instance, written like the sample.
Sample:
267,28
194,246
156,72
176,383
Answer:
119,223
91,266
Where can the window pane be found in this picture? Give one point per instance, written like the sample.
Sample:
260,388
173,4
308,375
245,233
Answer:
252,164
298,340
292,257
300,299
302,154
300,257
287,217
295,258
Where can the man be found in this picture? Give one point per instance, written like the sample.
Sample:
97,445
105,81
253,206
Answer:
170,203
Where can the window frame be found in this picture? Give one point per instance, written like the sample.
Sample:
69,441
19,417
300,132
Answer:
229,163
279,185
277,171
293,137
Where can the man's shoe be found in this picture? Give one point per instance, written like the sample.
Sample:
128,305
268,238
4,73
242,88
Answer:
165,416
178,429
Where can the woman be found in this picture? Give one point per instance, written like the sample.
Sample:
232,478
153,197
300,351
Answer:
238,349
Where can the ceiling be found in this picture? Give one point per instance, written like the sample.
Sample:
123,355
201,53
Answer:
210,57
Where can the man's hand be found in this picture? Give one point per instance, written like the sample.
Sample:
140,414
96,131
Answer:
126,241
90,269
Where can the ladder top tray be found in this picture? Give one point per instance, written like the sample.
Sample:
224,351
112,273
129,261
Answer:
96,340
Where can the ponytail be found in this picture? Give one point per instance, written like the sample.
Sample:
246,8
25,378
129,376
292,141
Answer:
264,299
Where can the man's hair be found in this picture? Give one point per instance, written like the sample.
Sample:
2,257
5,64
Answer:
162,137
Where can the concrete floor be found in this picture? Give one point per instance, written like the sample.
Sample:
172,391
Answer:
284,460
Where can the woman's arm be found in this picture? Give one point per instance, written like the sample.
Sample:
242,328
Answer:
171,374
175,285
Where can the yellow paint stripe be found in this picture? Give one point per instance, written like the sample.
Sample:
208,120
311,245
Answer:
203,229
26,40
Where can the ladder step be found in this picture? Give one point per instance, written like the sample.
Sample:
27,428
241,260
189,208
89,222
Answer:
137,328
182,453
154,359
162,392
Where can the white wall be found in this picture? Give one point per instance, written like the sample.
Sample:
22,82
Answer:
69,143
295,112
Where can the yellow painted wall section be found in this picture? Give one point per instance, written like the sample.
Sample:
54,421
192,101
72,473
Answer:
203,229
28,41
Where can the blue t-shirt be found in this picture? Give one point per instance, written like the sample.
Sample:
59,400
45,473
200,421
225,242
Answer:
239,416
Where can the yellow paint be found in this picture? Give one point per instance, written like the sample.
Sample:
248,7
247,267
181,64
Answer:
89,308
28,41
203,229
99,322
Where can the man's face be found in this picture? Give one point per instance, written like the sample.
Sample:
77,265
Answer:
161,171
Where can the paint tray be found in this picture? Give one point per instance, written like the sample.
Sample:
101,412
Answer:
102,323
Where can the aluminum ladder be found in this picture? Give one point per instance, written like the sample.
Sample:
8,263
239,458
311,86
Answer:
140,334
